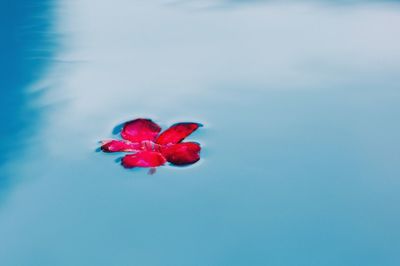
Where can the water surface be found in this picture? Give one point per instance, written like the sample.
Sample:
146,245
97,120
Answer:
299,103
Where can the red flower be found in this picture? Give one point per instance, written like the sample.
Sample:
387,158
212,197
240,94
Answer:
148,148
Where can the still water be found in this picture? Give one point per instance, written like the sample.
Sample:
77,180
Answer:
300,103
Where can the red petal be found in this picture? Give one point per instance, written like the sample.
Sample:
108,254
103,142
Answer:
140,129
177,133
119,145
182,153
143,159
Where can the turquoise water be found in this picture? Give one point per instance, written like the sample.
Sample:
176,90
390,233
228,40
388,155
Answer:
300,161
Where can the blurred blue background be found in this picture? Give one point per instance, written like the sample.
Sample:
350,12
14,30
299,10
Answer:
299,101
26,48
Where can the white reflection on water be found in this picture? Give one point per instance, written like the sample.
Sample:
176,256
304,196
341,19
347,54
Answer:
299,103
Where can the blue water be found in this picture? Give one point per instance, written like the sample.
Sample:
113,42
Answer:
299,102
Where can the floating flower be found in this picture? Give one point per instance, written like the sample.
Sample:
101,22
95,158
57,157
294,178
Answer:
148,148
